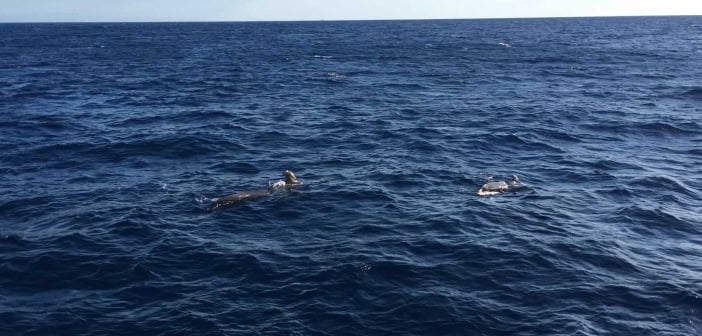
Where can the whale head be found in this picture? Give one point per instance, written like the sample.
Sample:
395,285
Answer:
290,177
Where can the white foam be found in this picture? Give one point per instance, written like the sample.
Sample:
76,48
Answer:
487,193
336,75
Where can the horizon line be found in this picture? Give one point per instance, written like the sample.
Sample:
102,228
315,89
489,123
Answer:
357,20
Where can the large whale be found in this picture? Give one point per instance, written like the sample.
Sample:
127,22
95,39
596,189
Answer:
229,200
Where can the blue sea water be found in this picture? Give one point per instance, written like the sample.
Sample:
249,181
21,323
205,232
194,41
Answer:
115,137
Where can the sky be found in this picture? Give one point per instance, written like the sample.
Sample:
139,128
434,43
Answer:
282,10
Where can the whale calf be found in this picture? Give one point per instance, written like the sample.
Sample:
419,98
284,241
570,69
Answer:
229,200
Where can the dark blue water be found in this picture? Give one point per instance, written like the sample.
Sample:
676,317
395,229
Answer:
115,137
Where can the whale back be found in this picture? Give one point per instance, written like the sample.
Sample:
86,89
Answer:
229,200
495,186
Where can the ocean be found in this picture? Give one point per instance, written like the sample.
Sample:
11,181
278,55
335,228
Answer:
116,137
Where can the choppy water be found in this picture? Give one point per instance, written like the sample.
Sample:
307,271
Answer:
114,137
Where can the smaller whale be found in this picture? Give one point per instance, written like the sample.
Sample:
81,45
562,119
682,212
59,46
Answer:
494,188
229,200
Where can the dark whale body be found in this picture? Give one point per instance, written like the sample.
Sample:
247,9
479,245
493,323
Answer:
229,200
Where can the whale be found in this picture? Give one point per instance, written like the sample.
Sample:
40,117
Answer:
496,187
290,181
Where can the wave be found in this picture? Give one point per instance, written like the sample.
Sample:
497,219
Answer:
13,242
660,183
50,126
551,134
235,167
612,164
405,86
694,93
656,128
133,229
514,143
167,147
552,59
20,205
644,220
186,117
